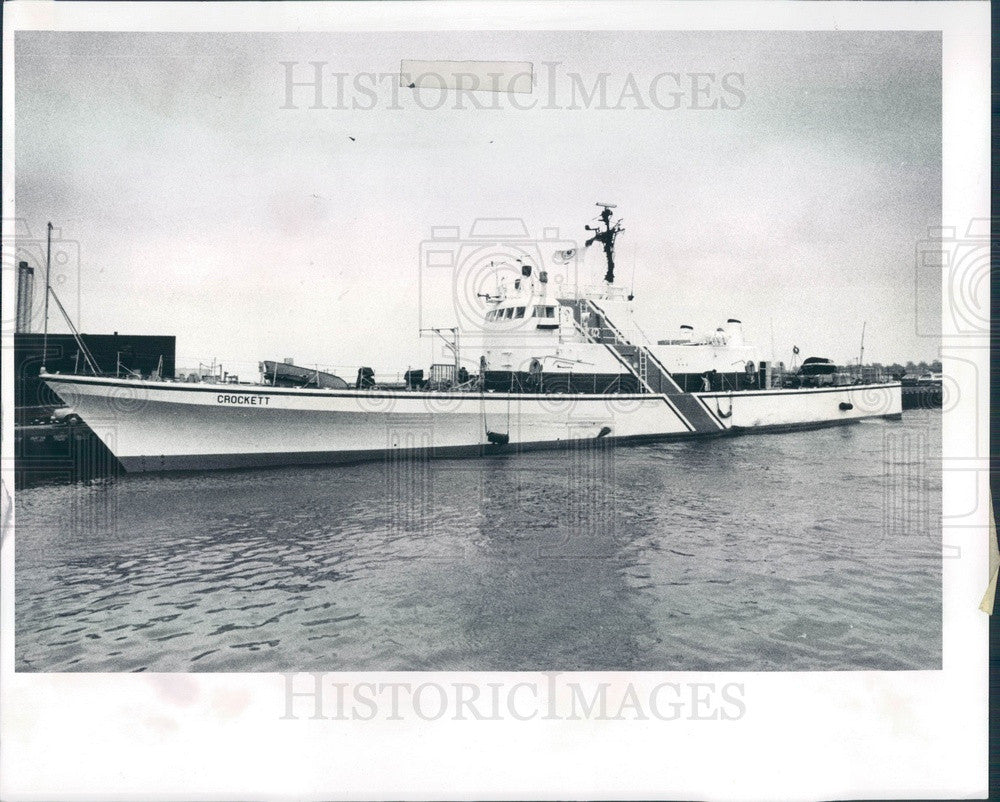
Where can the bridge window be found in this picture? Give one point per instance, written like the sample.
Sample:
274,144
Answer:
508,313
519,312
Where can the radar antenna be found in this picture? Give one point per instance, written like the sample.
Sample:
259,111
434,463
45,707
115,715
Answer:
606,237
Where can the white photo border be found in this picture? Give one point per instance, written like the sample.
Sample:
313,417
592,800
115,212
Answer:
803,735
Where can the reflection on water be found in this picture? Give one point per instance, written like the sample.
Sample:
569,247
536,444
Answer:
813,550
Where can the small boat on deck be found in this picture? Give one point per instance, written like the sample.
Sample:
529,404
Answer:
287,374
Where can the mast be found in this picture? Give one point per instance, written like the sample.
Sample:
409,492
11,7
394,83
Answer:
48,264
451,345
606,237
861,358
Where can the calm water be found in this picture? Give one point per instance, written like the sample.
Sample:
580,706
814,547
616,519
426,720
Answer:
812,550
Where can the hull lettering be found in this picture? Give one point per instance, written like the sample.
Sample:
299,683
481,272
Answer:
244,400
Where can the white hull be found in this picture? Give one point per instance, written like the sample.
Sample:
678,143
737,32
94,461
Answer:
157,426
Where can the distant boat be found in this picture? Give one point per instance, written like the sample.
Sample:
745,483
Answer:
285,374
923,392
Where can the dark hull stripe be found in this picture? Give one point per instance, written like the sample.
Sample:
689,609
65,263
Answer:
689,408
683,419
201,462
686,406
692,408
649,352
632,371
652,357
713,412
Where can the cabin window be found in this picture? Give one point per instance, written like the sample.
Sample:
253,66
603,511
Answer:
508,312
519,312
550,311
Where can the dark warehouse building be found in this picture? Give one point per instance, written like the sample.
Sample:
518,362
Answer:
133,352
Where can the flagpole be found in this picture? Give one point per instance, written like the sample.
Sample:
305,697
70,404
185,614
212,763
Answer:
635,257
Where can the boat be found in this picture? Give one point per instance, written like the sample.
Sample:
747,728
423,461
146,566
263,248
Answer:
288,374
818,371
557,369
817,366
925,391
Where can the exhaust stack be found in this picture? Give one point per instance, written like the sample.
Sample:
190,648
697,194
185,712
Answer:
734,332
25,296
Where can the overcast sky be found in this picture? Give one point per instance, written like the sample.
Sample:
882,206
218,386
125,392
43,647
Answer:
204,209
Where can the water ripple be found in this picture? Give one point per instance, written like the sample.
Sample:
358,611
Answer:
816,550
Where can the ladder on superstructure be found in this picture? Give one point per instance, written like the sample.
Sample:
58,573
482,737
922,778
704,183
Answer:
635,356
